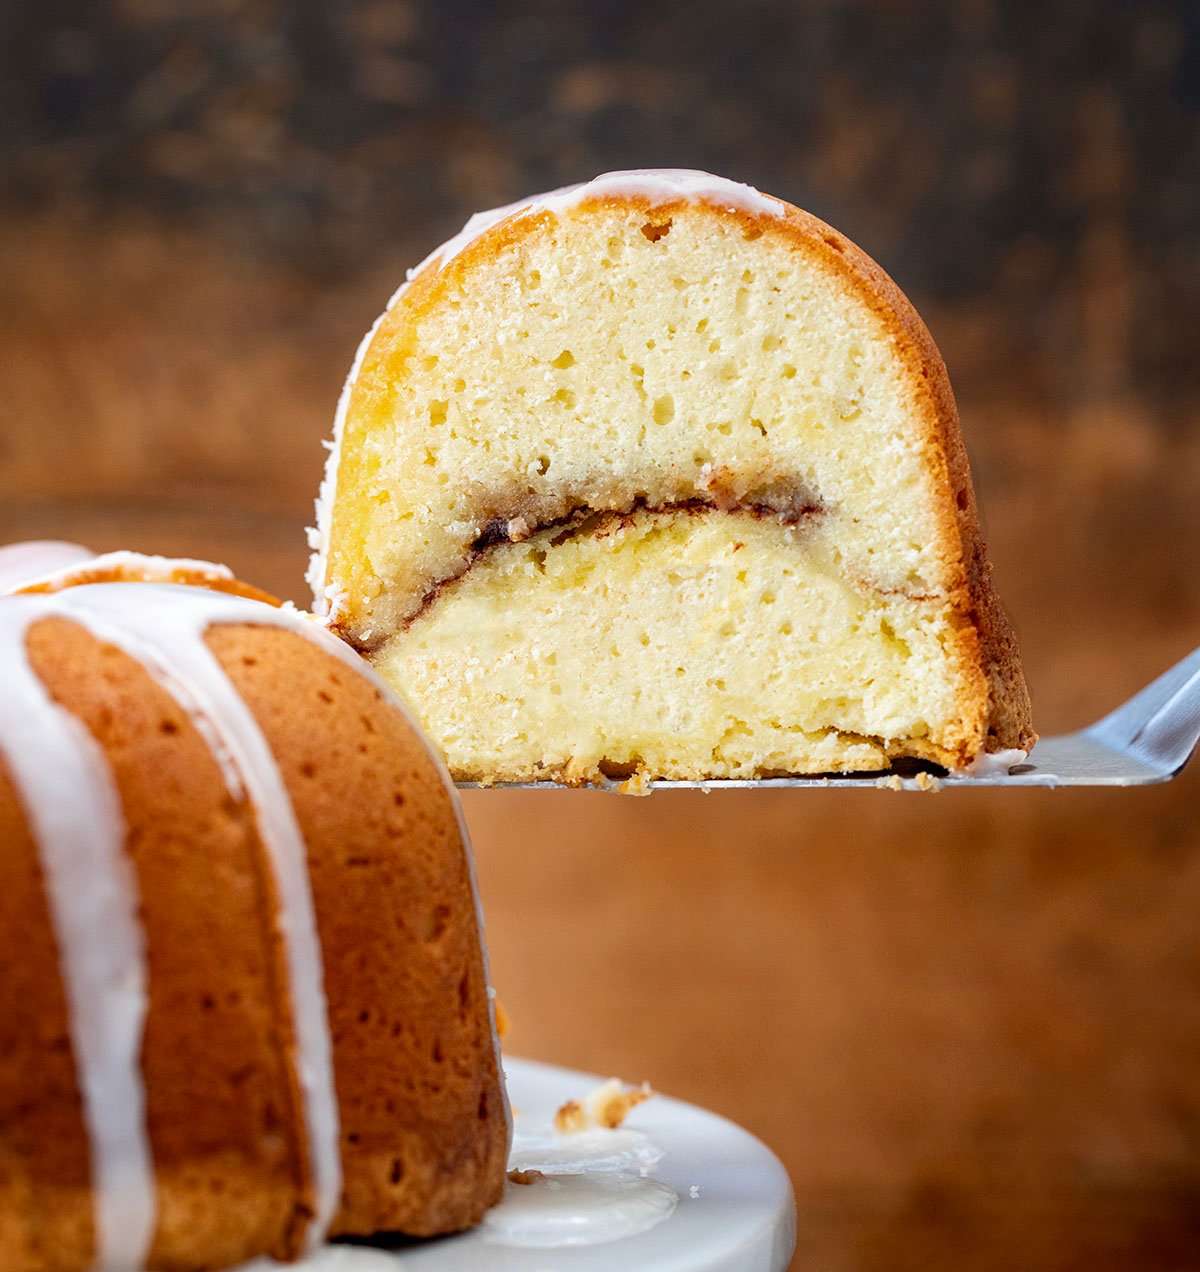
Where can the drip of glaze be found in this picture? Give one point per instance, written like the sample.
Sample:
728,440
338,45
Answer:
597,1148
582,1188
22,562
135,565
995,763
657,185
163,627
71,805
578,1209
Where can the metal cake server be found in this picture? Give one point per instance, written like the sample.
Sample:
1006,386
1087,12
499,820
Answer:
1147,740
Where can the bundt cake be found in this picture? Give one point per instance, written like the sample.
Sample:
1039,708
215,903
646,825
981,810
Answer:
660,475
245,1001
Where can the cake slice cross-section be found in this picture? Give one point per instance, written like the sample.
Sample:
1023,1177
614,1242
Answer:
659,476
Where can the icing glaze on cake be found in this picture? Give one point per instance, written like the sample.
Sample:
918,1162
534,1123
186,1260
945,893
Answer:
50,567
163,628
20,562
73,806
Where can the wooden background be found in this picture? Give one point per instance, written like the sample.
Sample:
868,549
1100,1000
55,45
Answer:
969,1023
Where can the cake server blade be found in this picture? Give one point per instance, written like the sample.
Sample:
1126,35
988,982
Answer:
1146,740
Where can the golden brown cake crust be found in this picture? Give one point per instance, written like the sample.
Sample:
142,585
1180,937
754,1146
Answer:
424,1131
1008,712
423,1113
996,706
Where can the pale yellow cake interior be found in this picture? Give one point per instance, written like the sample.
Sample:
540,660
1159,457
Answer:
678,644
590,364
786,593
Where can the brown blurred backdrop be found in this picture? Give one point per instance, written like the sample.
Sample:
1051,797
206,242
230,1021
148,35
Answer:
969,1023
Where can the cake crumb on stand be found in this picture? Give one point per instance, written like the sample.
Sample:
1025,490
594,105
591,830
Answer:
607,1106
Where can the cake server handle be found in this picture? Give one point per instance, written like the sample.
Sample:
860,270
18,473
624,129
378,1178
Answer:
1161,725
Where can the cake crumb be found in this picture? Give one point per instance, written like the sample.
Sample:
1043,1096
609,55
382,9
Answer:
570,1117
638,784
525,1176
503,1020
607,1106
694,1191
922,781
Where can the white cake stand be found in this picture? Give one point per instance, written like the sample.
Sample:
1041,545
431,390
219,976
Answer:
734,1211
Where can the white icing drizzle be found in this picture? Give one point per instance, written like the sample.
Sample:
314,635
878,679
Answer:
596,1148
581,1188
135,566
657,185
52,566
586,1208
163,627
995,763
22,563
67,792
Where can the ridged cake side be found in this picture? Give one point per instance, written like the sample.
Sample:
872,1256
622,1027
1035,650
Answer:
423,1129
422,1143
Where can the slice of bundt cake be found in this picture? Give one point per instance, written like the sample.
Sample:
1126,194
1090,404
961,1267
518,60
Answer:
245,1002
660,475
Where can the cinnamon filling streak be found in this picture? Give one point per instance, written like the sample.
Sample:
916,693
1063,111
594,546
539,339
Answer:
785,502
